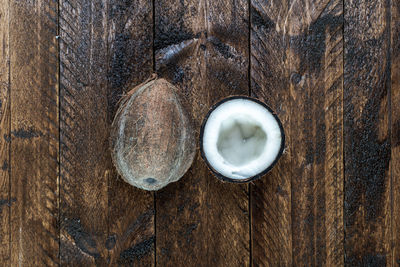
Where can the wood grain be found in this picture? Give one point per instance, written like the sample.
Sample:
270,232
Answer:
34,133
85,160
104,220
202,47
297,216
5,200
395,130
367,205
271,195
330,72
316,90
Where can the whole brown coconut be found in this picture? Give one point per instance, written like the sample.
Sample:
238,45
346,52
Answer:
152,138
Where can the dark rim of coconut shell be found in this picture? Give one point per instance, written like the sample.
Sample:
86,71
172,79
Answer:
257,176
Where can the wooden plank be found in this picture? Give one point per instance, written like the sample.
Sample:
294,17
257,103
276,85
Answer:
84,158
34,133
130,210
367,201
316,74
5,200
271,195
395,130
297,69
106,46
202,47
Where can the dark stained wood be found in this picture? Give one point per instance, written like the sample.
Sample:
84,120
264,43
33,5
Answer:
395,130
106,46
297,69
84,157
367,202
331,73
271,195
316,73
34,133
5,200
202,47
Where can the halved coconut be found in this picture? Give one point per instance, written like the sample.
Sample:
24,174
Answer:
241,139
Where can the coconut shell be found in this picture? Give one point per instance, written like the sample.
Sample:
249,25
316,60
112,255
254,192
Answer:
152,136
257,176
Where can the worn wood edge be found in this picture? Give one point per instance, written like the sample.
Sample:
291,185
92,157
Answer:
5,116
395,131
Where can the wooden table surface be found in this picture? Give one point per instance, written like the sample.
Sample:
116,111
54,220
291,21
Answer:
330,69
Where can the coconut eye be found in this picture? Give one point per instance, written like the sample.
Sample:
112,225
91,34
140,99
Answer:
241,139
150,180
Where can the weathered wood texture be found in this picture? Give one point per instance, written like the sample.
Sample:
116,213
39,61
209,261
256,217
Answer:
85,163
316,70
5,200
271,196
367,63
395,131
105,47
34,133
297,68
202,47
330,69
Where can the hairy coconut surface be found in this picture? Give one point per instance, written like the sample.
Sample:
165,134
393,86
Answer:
152,138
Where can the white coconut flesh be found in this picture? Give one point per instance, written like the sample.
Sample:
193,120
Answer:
241,138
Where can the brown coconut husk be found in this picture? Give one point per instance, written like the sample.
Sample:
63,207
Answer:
152,136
